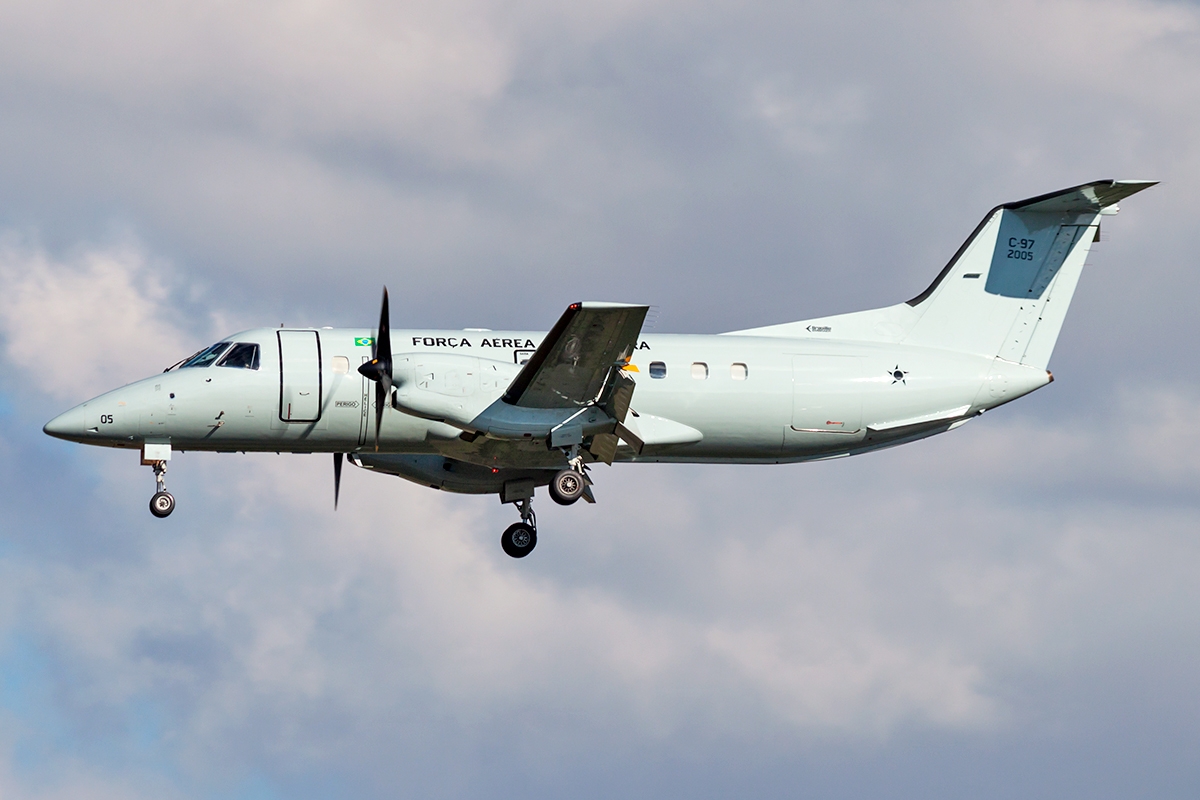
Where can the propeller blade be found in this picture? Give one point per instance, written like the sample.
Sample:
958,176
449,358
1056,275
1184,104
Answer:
380,398
337,478
383,341
379,368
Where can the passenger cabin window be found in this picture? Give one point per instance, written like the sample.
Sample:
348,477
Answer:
737,372
242,356
206,356
341,365
699,370
658,369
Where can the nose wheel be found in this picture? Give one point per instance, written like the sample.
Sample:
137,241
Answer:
163,502
519,539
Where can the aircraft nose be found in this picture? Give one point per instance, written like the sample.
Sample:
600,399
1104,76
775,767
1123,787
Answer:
68,425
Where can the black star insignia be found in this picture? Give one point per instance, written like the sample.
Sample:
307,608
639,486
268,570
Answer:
898,375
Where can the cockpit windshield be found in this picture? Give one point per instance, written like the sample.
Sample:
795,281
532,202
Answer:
206,356
242,355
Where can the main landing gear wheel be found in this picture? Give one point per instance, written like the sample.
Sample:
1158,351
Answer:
567,487
162,504
519,539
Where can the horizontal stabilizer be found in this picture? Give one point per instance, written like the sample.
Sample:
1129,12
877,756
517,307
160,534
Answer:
1088,197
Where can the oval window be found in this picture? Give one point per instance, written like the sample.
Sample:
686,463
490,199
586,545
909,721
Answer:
658,369
737,372
699,370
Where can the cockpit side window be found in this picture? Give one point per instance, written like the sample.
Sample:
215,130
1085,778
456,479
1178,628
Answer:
242,355
206,356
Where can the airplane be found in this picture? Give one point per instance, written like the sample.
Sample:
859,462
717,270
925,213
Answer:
478,411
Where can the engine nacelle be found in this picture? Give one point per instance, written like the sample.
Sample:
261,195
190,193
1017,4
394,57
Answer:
465,392
449,388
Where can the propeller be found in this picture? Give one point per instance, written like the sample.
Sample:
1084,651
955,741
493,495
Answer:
337,478
379,368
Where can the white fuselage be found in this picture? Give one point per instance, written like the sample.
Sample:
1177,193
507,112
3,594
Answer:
723,398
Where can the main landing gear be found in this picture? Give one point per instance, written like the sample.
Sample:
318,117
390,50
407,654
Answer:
566,487
570,484
519,539
163,502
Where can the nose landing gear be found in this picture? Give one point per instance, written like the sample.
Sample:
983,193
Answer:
519,539
163,502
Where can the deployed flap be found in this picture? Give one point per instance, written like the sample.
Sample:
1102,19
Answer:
570,366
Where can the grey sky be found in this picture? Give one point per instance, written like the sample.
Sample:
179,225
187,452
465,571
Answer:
1007,610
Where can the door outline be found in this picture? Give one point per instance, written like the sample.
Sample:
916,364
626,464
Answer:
802,365
320,377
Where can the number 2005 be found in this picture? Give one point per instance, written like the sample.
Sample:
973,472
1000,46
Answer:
1020,249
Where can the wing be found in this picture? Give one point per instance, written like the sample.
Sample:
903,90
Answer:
570,366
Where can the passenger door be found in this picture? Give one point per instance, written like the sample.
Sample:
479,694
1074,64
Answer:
299,376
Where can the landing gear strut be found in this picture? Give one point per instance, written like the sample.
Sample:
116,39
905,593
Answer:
162,503
519,539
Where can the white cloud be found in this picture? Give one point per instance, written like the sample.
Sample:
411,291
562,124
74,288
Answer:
85,324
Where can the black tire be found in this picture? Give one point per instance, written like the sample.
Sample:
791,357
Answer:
518,540
162,504
566,487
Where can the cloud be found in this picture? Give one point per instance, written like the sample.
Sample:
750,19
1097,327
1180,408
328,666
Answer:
810,125
85,324
1007,590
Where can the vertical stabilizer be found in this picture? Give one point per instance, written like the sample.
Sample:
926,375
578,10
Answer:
1006,291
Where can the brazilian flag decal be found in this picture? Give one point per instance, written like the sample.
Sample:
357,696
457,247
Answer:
364,341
